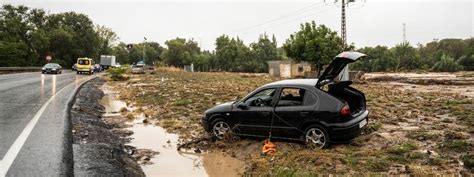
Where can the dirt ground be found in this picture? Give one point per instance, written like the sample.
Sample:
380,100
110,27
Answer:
419,124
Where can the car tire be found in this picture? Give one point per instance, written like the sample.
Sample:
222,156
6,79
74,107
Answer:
316,137
219,128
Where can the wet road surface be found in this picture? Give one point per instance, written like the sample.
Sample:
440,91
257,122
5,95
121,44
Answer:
34,127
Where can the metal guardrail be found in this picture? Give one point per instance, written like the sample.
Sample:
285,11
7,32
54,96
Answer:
20,68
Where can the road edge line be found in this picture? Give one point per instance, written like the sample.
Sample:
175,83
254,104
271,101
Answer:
17,145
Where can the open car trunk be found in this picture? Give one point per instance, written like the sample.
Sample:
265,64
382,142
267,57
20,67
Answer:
351,96
341,89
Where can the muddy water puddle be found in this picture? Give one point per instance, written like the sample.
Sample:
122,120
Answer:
169,161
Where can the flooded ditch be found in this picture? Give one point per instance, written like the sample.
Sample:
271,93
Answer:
165,159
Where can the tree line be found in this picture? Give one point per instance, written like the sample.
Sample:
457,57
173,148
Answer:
28,35
447,55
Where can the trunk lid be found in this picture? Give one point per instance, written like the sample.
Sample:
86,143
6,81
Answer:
338,64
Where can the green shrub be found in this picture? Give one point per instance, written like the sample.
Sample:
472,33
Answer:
446,64
467,62
117,74
468,161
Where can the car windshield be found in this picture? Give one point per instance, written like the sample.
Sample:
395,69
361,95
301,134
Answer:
83,62
49,65
265,95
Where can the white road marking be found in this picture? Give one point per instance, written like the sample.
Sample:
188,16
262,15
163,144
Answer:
12,153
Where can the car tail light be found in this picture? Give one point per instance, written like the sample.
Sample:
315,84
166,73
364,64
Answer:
345,111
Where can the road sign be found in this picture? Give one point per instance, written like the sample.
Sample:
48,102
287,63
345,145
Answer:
48,58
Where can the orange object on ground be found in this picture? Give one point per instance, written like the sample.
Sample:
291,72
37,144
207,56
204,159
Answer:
268,147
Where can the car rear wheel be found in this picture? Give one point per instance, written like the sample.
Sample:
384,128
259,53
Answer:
220,128
316,137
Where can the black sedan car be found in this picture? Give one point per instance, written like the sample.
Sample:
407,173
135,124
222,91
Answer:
316,111
52,68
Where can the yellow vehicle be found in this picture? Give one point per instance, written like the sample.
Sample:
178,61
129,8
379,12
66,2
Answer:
85,65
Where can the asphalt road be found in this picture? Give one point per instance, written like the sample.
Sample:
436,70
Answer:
34,125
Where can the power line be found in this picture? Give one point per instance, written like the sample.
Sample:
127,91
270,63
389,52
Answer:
296,12
290,20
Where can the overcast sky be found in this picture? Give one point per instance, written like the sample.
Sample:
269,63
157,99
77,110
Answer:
375,22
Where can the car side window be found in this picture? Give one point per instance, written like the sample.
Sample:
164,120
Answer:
310,99
291,97
262,98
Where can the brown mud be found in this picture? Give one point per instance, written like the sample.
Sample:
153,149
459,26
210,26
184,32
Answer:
411,131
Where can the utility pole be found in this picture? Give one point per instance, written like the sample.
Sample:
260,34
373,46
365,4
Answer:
144,48
343,25
404,33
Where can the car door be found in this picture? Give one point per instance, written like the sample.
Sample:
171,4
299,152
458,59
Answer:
255,120
292,110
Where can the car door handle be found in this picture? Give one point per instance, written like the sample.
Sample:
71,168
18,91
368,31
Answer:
304,113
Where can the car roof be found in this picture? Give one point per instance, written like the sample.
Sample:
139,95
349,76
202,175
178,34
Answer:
289,82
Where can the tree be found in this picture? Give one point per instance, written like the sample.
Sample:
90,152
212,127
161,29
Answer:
315,44
467,62
380,59
406,57
107,39
446,64
180,52
262,51
233,55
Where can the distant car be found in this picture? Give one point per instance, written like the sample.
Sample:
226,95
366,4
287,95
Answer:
74,67
136,69
315,111
52,68
98,68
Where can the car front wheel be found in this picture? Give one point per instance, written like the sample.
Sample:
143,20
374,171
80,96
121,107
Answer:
316,137
220,128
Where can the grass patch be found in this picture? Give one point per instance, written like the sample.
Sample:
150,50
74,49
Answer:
450,135
291,172
433,161
458,102
456,145
377,165
182,102
422,135
402,148
468,161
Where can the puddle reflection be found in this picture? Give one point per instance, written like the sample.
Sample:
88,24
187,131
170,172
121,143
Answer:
42,85
169,161
53,85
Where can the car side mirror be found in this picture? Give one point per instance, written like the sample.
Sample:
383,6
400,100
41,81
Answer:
242,106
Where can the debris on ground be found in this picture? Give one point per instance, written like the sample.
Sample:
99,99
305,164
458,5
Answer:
410,130
97,150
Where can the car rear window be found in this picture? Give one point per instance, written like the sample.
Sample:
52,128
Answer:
83,62
296,97
291,97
